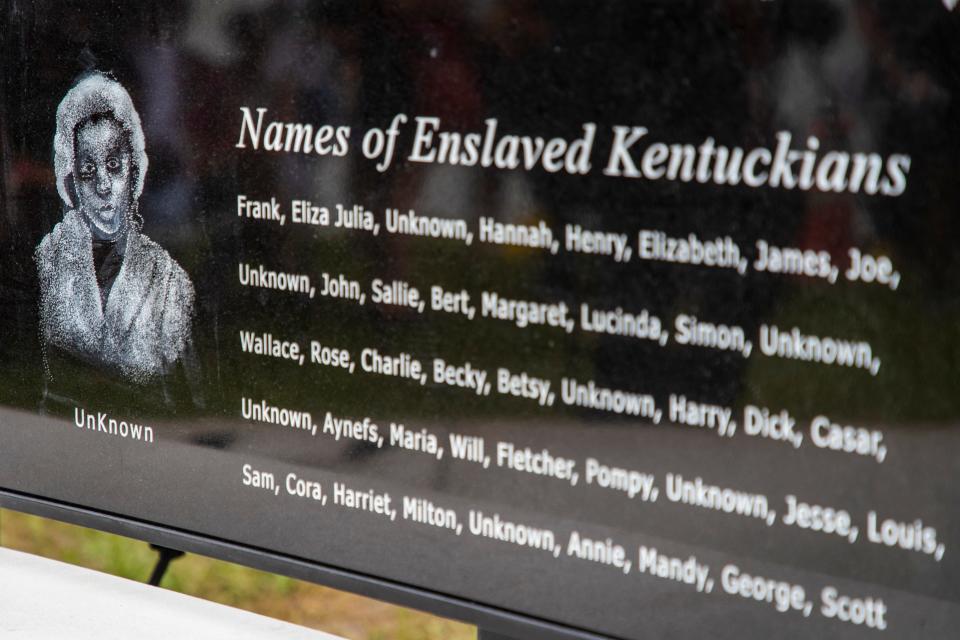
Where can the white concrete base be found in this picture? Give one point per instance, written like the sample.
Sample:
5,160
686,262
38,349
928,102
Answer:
42,598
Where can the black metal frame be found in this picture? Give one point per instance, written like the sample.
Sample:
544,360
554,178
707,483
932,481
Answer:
493,623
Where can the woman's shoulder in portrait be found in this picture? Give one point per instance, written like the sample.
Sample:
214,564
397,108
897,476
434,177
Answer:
166,275
56,245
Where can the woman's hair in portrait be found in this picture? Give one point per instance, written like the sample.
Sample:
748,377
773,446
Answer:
94,97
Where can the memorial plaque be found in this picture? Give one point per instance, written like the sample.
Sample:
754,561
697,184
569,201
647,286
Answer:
614,319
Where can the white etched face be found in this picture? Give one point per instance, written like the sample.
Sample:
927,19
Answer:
102,171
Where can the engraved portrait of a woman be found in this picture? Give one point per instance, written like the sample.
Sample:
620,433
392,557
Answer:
110,297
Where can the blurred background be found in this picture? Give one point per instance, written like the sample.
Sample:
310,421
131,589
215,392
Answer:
295,601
